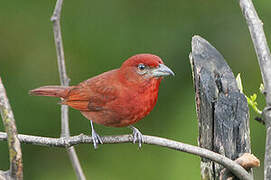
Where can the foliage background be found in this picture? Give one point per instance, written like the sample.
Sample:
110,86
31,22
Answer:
99,35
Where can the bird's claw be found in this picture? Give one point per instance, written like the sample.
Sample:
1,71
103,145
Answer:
137,136
96,139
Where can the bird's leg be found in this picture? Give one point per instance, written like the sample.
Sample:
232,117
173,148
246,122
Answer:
137,136
96,138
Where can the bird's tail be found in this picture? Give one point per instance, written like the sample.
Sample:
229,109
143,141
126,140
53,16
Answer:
54,91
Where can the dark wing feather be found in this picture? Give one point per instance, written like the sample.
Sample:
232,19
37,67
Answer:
92,94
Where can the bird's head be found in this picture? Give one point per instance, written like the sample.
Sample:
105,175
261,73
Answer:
144,67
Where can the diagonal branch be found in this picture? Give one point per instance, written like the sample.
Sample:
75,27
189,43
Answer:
15,154
61,65
83,139
255,26
65,132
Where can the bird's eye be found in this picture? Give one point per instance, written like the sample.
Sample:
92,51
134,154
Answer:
141,67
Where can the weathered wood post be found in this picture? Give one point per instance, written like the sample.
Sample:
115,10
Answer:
223,114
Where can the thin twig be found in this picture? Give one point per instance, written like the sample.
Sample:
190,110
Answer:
15,153
255,26
83,139
61,64
65,132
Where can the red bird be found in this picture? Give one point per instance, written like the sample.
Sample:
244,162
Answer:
116,98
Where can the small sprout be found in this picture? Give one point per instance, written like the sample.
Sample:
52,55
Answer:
252,102
252,99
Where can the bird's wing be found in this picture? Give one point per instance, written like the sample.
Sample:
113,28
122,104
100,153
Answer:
92,95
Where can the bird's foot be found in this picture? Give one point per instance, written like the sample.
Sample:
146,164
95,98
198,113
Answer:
96,139
137,136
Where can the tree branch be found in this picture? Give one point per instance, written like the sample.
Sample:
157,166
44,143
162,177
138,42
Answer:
223,113
15,154
83,139
255,26
65,132
61,65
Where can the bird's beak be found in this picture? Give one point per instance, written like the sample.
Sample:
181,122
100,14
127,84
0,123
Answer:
162,70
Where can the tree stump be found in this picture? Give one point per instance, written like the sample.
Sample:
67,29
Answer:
223,114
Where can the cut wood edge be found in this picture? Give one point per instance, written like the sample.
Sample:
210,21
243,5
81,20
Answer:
248,161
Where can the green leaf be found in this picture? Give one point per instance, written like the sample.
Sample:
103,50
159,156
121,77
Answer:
252,99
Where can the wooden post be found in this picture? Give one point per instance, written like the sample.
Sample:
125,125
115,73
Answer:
223,113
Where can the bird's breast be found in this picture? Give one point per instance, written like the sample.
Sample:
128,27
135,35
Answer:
141,103
132,105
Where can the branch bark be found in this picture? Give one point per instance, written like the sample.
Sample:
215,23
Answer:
15,154
222,110
65,132
83,139
255,26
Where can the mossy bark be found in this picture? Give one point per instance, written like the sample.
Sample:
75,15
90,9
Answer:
15,154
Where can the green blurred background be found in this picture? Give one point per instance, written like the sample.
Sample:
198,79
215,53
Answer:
98,36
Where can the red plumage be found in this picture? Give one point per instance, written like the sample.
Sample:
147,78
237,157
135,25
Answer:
116,98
